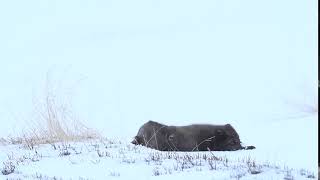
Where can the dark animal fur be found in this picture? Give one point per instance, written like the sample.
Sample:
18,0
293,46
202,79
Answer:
196,137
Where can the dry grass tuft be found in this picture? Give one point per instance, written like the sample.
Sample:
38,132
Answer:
61,124
54,121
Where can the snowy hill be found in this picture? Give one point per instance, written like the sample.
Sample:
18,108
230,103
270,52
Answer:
106,159
278,156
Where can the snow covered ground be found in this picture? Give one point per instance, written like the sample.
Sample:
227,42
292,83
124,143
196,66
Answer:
290,155
117,64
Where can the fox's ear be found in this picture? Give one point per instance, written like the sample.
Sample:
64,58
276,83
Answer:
137,140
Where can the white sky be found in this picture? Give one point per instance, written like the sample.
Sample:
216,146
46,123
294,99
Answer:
172,61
